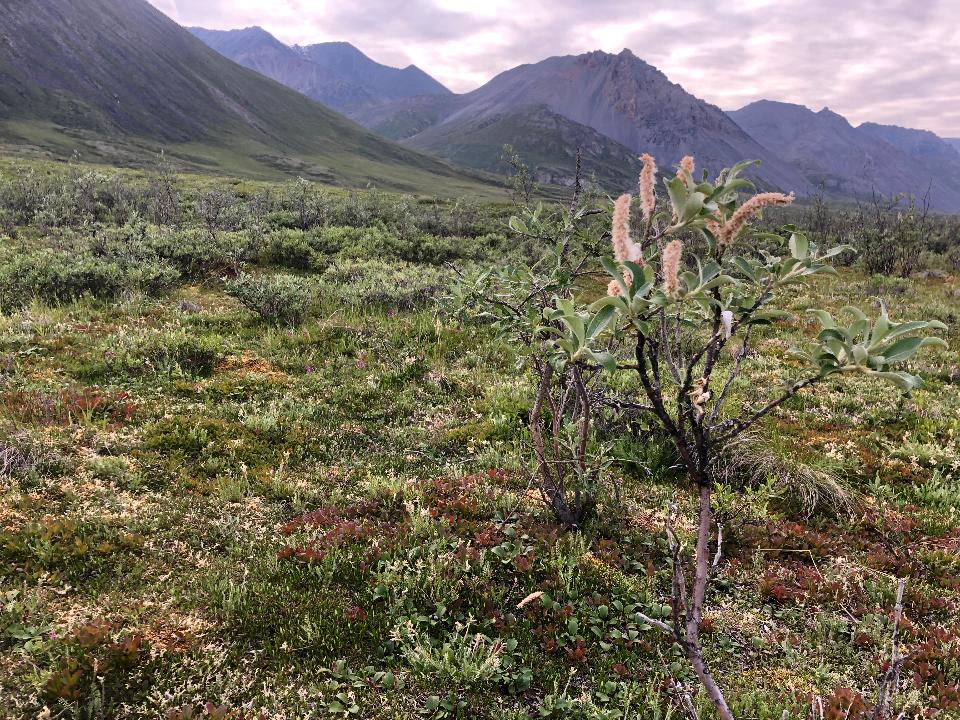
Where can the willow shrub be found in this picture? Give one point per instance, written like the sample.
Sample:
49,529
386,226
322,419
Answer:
696,280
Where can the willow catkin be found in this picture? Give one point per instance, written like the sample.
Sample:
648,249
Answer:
624,248
747,211
648,179
687,166
671,266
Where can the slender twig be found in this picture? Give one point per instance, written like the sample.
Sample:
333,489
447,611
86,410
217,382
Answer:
668,356
736,427
734,374
891,678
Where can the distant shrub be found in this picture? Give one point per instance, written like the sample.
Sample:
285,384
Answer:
279,299
314,250
55,278
185,353
73,198
376,284
891,240
952,258
196,254
58,278
339,239
152,278
305,206
293,249
220,210
21,196
377,241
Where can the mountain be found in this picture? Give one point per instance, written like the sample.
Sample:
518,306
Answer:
336,74
383,81
940,157
545,140
955,142
849,161
117,81
618,103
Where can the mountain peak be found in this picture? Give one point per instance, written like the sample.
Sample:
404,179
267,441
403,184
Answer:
859,161
339,46
616,96
336,73
776,106
626,60
245,39
778,112
120,96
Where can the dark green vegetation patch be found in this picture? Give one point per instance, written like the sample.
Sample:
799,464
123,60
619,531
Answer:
253,464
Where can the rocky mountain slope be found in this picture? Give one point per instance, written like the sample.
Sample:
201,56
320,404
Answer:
545,140
855,162
936,155
117,81
336,73
616,98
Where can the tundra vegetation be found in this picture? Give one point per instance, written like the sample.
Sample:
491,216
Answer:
286,451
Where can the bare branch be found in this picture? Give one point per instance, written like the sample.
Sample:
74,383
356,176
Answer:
891,678
734,374
737,426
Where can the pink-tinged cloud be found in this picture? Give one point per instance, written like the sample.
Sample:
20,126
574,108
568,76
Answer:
888,61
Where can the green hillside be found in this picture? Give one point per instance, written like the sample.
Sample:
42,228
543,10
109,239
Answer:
545,140
116,81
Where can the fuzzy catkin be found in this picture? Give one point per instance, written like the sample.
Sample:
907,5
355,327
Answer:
687,166
624,248
726,319
715,228
747,211
671,266
648,179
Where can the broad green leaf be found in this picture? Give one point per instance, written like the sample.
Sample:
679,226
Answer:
599,322
904,381
905,348
678,193
799,247
607,360
826,320
518,226
610,266
907,327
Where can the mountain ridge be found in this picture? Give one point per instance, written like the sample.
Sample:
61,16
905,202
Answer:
336,74
856,161
617,106
117,80
620,97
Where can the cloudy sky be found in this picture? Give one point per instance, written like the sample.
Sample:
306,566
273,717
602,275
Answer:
890,61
